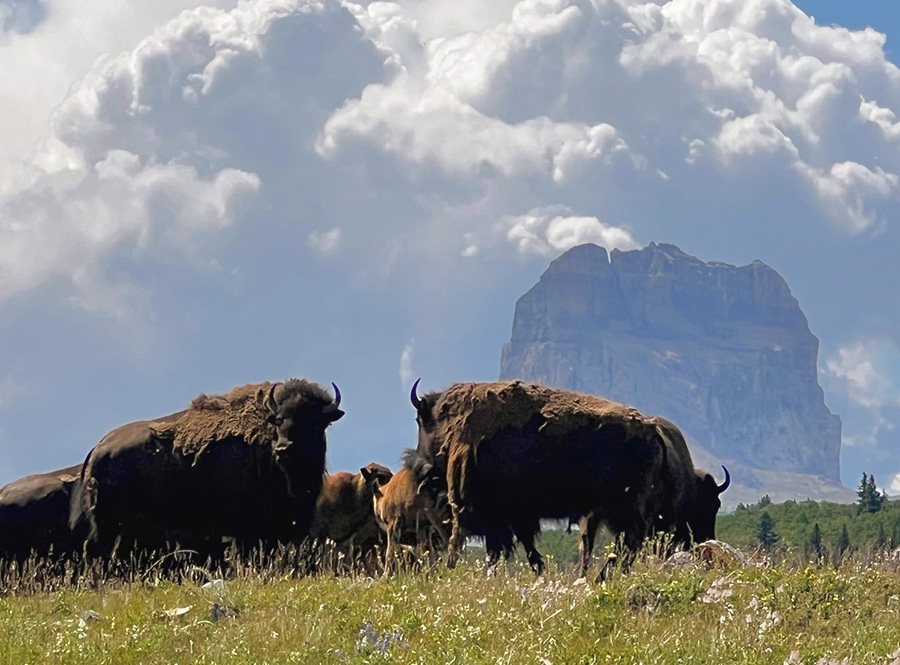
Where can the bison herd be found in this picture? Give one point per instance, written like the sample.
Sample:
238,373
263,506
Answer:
247,470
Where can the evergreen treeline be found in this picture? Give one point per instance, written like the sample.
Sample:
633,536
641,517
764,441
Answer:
817,529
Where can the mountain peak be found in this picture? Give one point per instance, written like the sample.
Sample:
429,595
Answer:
723,350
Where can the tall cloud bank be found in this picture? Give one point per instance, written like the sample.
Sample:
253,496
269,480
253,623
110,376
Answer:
387,137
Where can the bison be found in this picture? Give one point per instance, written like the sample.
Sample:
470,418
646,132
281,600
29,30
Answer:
344,515
247,466
34,516
687,505
410,518
508,454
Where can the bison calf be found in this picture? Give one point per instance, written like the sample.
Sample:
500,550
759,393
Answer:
410,518
345,517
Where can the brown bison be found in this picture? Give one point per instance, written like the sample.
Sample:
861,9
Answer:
410,518
345,517
34,516
247,466
508,454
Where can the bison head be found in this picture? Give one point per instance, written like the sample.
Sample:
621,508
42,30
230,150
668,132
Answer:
300,410
425,419
376,475
702,519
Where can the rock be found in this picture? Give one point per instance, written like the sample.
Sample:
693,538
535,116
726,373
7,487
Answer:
723,351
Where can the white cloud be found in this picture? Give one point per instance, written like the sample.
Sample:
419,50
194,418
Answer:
406,363
65,223
867,371
60,47
325,242
548,232
529,105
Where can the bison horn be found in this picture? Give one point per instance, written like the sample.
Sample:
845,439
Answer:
270,402
337,395
413,397
724,486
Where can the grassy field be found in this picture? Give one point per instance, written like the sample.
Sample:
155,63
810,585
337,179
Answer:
775,614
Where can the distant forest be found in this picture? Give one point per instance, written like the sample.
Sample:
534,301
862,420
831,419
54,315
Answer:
812,528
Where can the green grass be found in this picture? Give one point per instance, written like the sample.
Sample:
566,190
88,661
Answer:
758,615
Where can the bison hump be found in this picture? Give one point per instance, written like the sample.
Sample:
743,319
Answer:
213,419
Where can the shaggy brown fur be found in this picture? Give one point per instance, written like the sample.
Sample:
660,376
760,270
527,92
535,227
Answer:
241,413
247,465
550,454
409,518
470,413
344,514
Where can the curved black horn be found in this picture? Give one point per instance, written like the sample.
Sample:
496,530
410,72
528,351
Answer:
413,397
724,486
337,395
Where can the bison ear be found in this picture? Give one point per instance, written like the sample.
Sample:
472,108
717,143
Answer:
367,473
332,416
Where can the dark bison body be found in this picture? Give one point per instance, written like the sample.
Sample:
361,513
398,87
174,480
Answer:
247,466
34,516
509,454
345,516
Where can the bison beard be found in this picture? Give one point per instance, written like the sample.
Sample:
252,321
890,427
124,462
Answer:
247,465
510,454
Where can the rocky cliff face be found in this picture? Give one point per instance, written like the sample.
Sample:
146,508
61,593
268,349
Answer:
723,351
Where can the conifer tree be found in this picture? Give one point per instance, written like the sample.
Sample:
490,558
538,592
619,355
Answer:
815,542
765,534
843,543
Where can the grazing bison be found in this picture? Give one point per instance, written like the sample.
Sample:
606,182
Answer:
508,454
687,505
247,465
411,519
345,517
34,516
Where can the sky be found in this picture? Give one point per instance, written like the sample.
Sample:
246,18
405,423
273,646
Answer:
197,196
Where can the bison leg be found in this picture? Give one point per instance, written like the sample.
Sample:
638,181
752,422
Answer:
588,525
526,532
497,541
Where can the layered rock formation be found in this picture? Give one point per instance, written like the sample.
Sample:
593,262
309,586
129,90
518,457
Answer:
723,351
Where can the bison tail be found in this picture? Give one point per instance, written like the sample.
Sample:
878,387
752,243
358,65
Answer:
77,506
458,479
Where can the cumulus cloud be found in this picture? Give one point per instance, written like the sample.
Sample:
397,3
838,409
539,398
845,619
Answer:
559,87
549,232
125,172
325,242
866,371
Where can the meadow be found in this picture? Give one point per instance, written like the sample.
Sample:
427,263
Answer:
785,612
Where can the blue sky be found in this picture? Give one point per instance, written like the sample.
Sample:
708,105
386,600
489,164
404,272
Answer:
882,15
200,196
